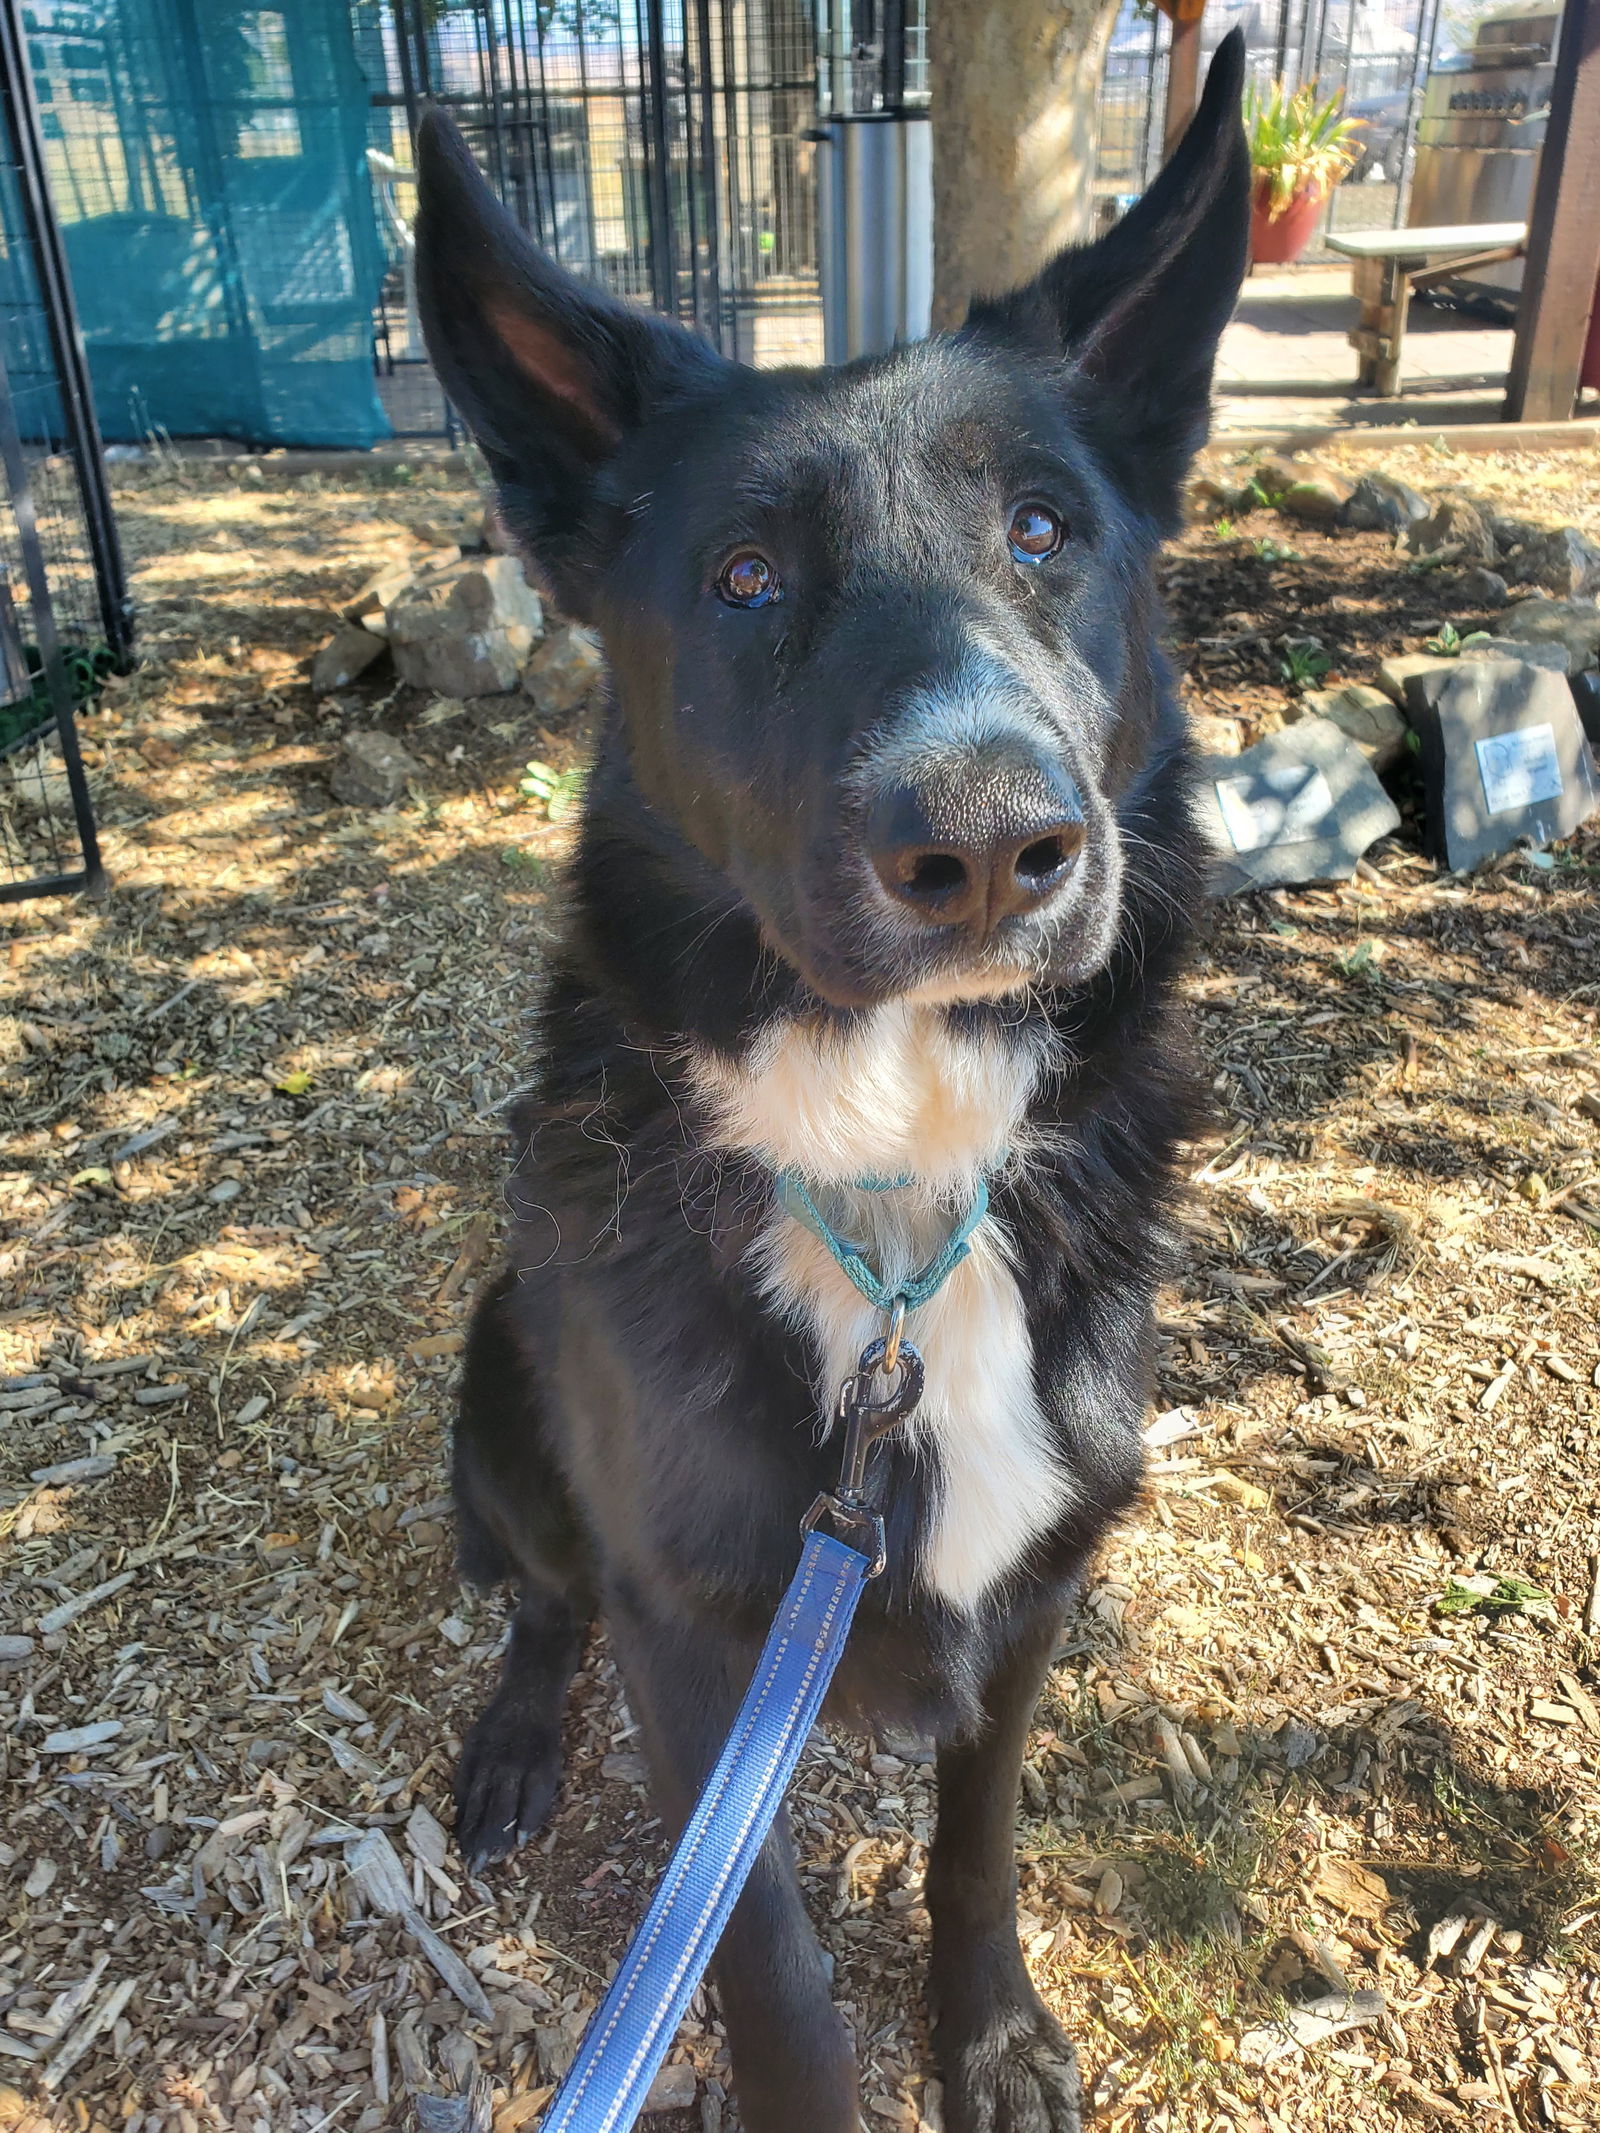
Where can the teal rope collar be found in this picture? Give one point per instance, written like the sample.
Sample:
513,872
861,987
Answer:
852,1260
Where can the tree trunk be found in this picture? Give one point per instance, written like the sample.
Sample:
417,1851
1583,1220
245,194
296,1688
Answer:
1016,124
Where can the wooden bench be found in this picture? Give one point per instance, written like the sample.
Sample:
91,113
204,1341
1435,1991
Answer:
1388,264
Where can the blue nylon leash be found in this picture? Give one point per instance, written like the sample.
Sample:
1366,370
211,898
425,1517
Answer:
632,2029
634,2025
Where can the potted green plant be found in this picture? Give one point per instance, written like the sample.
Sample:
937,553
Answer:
1300,148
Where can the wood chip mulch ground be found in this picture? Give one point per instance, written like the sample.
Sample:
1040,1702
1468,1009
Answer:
1311,1824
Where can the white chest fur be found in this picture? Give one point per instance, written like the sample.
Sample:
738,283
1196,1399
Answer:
903,1094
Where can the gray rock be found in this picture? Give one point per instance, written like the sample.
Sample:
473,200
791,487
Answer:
673,2089
1503,760
1396,672
1543,652
1485,588
1565,562
373,770
1455,525
1378,503
1574,623
1369,717
1302,805
1511,533
348,653
1316,494
563,671
15,1651
381,590
467,630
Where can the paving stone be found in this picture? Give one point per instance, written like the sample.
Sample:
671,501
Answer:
1393,674
1574,623
348,653
1455,525
373,770
1367,716
1302,805
1485,588
564,670
1543,652
468,630
1378,503
1504,760
1565,561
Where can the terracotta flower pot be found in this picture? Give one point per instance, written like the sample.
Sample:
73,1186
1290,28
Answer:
1278,240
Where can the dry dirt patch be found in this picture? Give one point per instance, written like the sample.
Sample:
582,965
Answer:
250,1170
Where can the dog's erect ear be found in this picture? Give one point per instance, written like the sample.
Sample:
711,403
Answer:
1141,311
549,373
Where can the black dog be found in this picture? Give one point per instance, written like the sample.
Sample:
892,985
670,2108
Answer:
886,869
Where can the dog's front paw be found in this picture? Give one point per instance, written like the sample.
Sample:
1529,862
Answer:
506,1783
1015,2072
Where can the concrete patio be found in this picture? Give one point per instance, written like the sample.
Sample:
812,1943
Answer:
1286,361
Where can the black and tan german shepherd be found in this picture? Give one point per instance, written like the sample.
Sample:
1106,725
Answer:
887,871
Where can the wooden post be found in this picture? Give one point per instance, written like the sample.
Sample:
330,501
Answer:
1183,81
1558,286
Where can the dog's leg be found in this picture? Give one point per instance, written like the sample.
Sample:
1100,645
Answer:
515,1520
1008,2065
793,2067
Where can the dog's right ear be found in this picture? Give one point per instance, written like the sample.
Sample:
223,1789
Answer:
549,373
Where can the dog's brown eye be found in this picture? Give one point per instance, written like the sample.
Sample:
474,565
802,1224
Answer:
1035,533
748,580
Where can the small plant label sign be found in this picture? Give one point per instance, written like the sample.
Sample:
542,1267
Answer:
1284,803
1519,769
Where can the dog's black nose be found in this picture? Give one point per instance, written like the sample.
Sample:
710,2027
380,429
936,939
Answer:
971,845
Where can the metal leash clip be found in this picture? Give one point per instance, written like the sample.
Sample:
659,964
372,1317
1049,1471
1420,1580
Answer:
866,1420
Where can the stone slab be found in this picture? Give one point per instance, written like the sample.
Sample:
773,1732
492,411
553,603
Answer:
468,630
1586,695
1300,806
1504,760
1553,657
1574,623
564,670
1395,673
1367,716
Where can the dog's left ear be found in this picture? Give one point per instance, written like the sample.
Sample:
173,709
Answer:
1140,313
549,373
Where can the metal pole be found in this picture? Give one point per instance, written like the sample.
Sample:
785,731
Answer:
66,341
92,876
1558,285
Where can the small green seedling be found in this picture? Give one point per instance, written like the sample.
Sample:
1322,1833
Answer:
557,791
1270,551
1305,664
1494,1594
1223,528
1447,644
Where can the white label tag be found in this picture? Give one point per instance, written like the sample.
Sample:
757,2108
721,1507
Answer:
1285,804
1519,769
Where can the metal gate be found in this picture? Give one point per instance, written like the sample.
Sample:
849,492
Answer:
656,146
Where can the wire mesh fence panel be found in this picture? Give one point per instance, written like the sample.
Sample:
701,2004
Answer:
63,608
206,157
658,147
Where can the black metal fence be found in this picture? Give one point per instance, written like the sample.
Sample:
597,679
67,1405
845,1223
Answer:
64,615
659,146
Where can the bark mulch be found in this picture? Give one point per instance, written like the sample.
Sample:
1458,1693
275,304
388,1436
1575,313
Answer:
1323,1737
